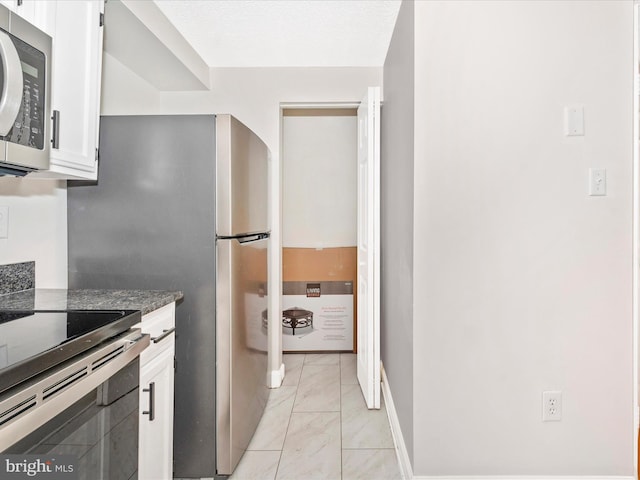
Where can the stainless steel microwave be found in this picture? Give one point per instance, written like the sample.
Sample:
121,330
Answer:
25,96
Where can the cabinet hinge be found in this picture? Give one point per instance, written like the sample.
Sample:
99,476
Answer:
19,2
175,364
97,154
101,19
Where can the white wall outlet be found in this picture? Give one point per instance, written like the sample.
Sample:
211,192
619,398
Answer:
552,406
574,121
597,182
4,221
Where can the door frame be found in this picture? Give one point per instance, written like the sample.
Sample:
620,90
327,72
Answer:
636,228
368,360
293,106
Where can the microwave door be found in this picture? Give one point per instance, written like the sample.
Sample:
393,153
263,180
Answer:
12,84
27,143
5,15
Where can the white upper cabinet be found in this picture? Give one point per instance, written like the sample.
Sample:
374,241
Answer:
77,32
75,92
36,12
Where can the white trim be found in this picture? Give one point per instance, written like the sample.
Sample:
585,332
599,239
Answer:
636,227
318,105
524,477
396,432
274,333
275,377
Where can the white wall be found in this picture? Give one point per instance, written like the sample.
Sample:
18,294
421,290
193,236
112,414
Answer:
319,185
37,227
124,88
522,281
38,208
254,96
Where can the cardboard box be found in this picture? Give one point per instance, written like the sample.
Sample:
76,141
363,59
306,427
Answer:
317,316
332,268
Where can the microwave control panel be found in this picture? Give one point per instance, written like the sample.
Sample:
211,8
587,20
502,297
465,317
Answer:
29,126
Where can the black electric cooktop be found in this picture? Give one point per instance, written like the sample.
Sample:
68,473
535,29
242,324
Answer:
32,342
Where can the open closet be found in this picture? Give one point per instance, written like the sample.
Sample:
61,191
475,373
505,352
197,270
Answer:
319,237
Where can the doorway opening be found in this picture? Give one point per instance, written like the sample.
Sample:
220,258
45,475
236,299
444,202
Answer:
330,197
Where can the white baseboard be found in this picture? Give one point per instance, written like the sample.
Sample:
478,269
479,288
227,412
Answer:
396,432
636,414
407,470
275,377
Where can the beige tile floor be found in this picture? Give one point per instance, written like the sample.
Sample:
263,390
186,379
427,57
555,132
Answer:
317,427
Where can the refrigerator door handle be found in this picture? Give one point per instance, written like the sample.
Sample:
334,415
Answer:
248,238
253,238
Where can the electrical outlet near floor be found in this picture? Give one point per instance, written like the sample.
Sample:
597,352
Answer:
552,406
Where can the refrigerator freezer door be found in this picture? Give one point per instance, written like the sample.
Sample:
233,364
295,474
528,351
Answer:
241,346
242,179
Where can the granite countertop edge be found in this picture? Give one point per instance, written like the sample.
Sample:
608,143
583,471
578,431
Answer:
89,299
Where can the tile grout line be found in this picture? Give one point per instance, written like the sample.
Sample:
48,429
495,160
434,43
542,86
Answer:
339,411
290,415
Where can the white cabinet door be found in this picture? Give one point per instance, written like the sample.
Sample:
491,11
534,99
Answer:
39,13
156,416
36,12
26,9
75,92
76,29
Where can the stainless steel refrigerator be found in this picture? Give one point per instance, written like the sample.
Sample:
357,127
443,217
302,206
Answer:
181,204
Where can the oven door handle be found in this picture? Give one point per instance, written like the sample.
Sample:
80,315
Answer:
152,401
12,89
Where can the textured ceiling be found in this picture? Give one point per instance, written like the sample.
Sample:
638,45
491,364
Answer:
285,33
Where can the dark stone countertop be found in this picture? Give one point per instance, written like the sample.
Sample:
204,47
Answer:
15,277
59,299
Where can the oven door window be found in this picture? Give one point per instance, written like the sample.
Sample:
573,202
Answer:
100,430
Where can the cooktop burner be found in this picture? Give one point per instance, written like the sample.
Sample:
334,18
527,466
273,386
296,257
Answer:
31,342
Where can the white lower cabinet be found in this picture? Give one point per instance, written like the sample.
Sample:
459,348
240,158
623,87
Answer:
155,446
156,418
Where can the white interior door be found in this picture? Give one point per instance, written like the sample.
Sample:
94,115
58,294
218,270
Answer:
369,247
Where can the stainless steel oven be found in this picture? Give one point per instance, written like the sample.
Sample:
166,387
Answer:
78,399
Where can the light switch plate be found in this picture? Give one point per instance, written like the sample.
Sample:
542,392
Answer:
597,182
4,221
574,121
